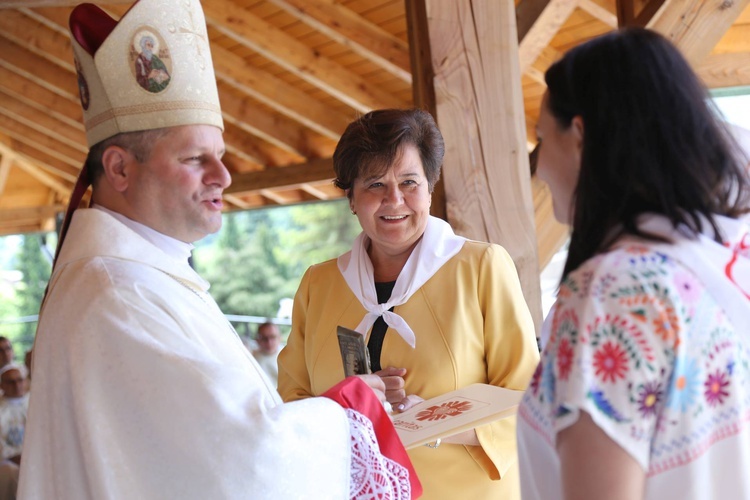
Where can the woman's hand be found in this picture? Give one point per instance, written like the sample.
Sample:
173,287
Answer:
393,378
376,384
407,403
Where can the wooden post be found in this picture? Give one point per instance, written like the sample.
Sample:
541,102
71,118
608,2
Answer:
473,48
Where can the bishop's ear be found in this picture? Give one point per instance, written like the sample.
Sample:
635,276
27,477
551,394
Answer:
117,165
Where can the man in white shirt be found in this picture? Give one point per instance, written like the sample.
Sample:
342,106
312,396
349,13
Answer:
269,347
14,405
6,351
142,389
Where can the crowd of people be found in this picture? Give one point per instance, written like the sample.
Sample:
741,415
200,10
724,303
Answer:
142,388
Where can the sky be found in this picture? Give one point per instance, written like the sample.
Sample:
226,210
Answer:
736,109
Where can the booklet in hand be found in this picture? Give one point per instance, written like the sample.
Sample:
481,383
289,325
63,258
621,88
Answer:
455,412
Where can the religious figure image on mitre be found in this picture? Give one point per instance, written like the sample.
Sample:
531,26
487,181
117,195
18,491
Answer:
150,57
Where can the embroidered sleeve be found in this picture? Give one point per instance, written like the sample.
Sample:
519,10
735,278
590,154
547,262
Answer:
612,348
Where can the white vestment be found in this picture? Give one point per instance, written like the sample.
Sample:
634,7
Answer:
143,390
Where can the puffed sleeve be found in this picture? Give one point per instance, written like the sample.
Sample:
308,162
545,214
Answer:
612,349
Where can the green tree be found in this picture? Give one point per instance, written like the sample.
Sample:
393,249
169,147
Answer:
35,266
260,255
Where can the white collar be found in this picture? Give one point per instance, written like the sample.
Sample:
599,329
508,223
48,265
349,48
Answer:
173,247
437,245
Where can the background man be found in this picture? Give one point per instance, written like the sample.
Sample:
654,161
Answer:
142,389
14,405
269,347
6,352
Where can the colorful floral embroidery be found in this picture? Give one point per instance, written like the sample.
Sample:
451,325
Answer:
610,362
715,388
685,386
649,397
666,325
564,359
636,341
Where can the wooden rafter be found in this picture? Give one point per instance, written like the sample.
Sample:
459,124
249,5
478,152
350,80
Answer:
599,12
276,93
543,29
37,38
6,161
297,58
40,71
29,135
629,13
352,31
295,175
32,169
47,163
42,123
696,26
29,213
725,70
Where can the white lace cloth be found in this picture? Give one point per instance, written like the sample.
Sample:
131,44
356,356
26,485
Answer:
373,475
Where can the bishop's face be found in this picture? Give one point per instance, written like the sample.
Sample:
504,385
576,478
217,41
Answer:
177,190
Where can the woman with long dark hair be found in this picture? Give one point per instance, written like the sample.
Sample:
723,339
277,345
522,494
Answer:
643,390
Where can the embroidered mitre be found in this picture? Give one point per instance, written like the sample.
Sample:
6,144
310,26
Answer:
152,69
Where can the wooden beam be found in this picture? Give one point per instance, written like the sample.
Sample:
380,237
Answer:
527,13
295,175
351,30
480,111
236,201
32,137
274,197
423,86
253,32
636,13
309,189
544,29
725,70
14,215
37,38
246,114
696,26
43,123
5,163
41,99
44,161
599,12
277,94
255,150
40,71
36,172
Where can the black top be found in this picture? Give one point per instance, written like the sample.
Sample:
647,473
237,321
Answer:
375,344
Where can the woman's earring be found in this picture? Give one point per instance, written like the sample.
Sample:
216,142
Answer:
354,213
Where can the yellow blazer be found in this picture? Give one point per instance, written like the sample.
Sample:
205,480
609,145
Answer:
471,325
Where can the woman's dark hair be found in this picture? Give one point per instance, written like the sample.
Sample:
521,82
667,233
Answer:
652,141
371,143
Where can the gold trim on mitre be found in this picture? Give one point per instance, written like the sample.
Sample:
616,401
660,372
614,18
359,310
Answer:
153,70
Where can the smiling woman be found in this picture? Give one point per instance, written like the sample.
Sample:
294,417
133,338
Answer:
438,312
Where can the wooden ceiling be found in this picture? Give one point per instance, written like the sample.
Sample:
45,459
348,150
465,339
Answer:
291,75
